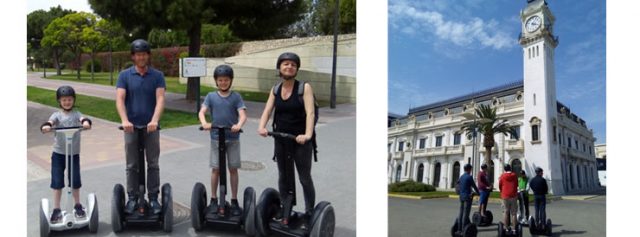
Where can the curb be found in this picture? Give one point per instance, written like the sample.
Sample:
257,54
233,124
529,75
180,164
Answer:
415,197
579,198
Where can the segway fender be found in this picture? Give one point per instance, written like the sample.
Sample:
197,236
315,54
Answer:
323,220
249,214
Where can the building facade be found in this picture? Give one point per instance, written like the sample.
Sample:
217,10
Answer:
428,145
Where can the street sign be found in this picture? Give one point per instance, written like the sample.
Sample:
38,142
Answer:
194,67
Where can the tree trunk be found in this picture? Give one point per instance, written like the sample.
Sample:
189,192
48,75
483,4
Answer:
92,68
56,61
78,64
193,84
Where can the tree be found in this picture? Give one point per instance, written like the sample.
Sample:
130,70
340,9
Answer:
114,37
68,31
488,124
322,16
92,40
247,19
37,21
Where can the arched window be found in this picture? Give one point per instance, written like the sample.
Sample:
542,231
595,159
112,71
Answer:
420,173
436,175
516,166
398,173
456,174
535,129
534,133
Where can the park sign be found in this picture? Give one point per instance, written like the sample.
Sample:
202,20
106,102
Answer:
194,67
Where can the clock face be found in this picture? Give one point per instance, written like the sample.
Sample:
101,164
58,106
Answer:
533,23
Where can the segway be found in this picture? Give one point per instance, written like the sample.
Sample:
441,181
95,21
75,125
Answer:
539,227
143,214
507,231
276,216
479,220
522,219
468,230
200,214
69,219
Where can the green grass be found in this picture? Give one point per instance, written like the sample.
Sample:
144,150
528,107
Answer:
173,85
440,193
106,109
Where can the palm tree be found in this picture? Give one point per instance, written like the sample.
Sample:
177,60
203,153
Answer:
488,124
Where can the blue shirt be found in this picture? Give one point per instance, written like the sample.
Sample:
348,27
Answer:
140,100
466,183
224,112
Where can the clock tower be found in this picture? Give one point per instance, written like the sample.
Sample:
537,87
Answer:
540,117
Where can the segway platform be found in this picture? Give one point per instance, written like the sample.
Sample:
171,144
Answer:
480,221
536,228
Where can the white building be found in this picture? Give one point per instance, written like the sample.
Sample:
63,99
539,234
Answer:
428,146
601,160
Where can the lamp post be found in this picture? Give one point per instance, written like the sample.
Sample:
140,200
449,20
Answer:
475,158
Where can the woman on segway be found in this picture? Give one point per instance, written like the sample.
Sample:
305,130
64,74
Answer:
295,117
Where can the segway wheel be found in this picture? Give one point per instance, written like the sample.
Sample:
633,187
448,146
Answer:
549,226
117,208
92,201
454,228
249,212
489,217
44,221
198,204
324,220
167,206
519,229
476,218
470,230
500,229
532,225
268,207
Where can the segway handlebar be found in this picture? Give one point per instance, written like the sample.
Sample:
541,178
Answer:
137,127
219,127
282,135
65,128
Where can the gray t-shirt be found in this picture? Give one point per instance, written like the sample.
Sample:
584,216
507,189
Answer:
224,112
62,119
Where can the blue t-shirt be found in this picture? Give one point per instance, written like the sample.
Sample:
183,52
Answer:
224,112
140,99
466,183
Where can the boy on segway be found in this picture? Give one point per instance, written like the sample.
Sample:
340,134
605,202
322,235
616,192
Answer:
485,189
540,189
227,110
523,195
466,196
508,184
66,117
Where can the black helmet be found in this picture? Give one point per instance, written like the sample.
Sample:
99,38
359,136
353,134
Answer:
467,167
65,91
507,167
288,56
483,166
538,170
522,172
140,45
223,70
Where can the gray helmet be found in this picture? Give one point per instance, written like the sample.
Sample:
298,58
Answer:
223,70
538,170
468,167
65,91
140,45
288,56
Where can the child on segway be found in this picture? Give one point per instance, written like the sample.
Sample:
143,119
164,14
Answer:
485,189
466,197
523,197
508,184
66,117
227,110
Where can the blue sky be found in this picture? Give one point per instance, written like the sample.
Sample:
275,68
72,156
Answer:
439,49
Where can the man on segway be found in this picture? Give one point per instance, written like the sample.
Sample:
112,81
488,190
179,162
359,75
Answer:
466,196
508,184
140,102
540,189
485,189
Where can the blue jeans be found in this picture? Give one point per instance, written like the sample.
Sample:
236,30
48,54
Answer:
58,165
465,208
484,197
540,204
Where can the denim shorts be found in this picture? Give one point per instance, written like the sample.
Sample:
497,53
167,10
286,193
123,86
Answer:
58,165
484,197
233,154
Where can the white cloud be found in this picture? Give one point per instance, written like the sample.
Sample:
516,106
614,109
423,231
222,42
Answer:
411,20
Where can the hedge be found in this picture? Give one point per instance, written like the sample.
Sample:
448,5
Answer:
410,186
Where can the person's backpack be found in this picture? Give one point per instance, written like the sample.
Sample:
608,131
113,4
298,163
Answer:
276,92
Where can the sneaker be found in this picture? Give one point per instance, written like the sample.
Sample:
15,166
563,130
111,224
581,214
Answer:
155,205
235,208
56,216
79,210
213,206
132,205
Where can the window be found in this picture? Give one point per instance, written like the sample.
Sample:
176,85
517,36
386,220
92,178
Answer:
534,133
438,141
516,129
589,150
577,145
560,138
456,139
554,132
569,141
534,99
401,146
389,147
584,147
421,143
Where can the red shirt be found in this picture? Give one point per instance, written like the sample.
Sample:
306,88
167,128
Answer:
508,184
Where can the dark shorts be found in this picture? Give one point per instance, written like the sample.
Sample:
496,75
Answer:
484,197
58,165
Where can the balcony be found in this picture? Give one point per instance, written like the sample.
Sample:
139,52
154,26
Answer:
434,151
514,145
420,152
455,149
398,155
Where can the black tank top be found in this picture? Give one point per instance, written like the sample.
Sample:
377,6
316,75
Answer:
290,116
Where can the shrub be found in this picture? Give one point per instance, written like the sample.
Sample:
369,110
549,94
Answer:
97,66
221,50
410,186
